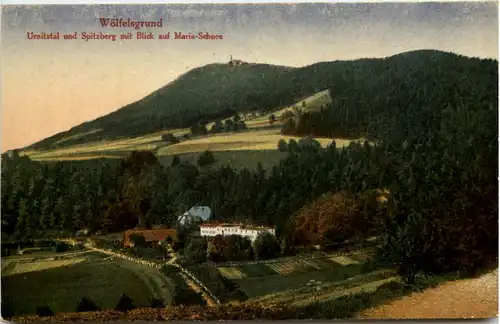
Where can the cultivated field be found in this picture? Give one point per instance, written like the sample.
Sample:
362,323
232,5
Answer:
258,138
312,103
62,279
244,141
301,282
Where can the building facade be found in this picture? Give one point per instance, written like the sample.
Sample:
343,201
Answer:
251,232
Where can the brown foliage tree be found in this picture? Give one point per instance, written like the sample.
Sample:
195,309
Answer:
326,220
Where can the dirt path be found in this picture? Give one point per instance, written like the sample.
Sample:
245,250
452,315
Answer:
172,255
469,298
193,285
210,301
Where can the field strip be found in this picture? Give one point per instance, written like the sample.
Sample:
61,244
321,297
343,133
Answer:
296,294
232,273
330,256
367,287
344,260
75,157
41,265
17,258
150,141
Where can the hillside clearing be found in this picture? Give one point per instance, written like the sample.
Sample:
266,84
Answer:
309,104
121,147
254,140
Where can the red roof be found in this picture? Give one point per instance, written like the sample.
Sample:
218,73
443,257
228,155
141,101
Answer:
151,235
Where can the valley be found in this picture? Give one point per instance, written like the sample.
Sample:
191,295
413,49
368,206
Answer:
329,181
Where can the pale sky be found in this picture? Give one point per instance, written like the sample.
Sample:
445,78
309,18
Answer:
49,86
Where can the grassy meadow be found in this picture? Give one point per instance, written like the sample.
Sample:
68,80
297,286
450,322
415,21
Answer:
60,280
257,144
258,140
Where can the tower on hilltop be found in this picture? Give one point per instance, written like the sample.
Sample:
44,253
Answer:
234,63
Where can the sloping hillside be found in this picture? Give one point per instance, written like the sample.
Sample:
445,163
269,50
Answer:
217,91
206,93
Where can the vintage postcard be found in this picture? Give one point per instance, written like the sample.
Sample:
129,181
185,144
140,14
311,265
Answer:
249,161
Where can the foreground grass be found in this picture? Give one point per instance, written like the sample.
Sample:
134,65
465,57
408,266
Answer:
60,284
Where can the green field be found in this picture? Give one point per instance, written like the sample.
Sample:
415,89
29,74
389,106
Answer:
258,138
303,281
60,282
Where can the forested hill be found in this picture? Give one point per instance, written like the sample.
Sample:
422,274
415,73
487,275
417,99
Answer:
210,92
393,97
361,89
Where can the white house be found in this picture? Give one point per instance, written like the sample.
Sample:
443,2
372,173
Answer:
195,213
234,229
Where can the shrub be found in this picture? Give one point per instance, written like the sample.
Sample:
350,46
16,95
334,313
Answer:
170,138
176,160
125,304
282,145
86,305
272,119
266,246
293,146
237,248
196,250
6,309
156,302
308,144
139,240
326,220
60,247
44,311
206,158
183,294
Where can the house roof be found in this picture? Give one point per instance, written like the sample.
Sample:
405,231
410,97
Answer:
202,212
153,234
